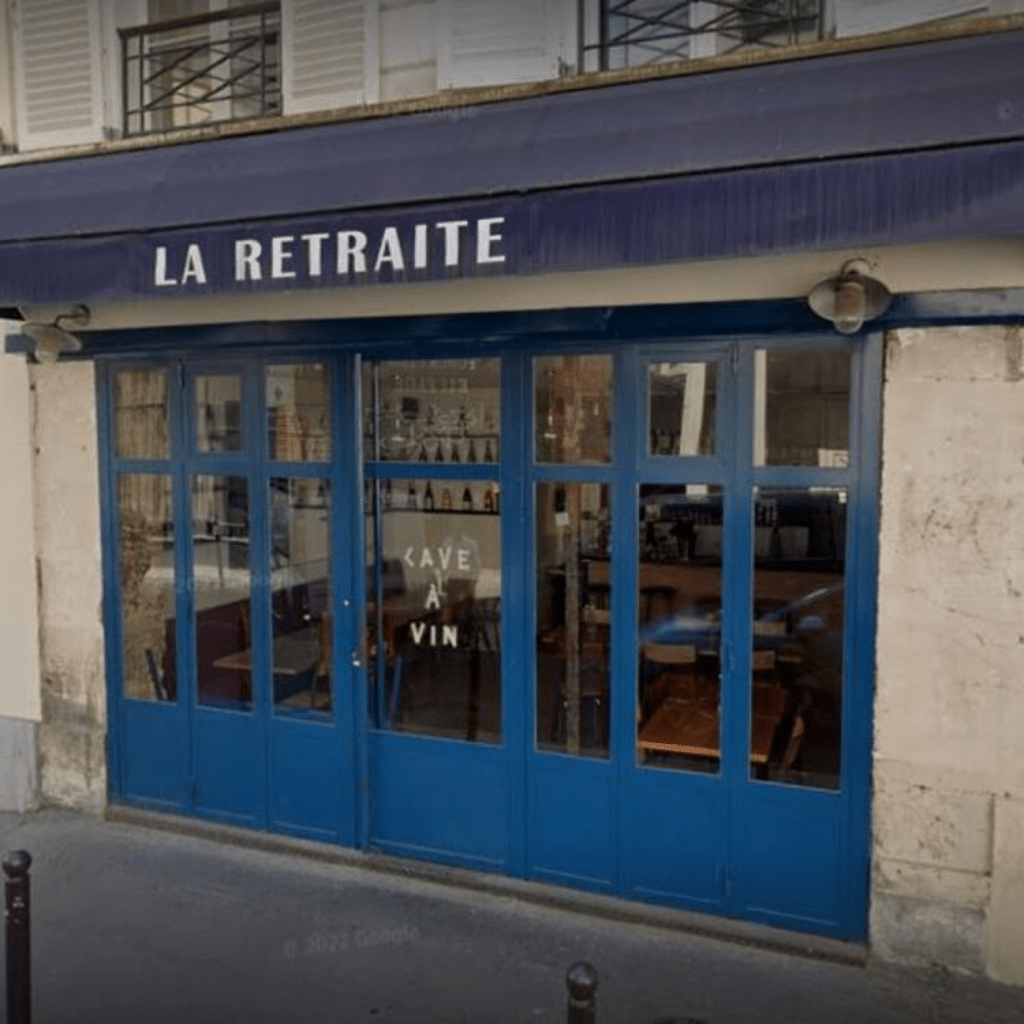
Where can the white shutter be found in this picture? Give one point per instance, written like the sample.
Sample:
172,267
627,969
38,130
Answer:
497,42
858,17
330,53
57,54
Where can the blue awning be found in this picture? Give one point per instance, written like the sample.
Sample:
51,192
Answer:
907,144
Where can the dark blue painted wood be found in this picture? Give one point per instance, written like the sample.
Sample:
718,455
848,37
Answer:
886,199
778,854
884,100
572,801
436,799
572,834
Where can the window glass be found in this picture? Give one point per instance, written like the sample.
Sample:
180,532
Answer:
797,656
802,408
680,635
146,553
299,412
573,531
573,409
681,409
222,586
141,415
439,411
436,602
218,413
300,594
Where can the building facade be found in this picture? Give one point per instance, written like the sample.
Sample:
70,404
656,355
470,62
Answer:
421,440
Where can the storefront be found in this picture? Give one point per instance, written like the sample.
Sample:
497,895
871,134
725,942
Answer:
585,612
493,517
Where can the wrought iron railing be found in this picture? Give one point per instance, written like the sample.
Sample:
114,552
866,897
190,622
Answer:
201,70
634,32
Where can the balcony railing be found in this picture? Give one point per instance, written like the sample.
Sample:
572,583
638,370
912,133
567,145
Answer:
635,32
202,70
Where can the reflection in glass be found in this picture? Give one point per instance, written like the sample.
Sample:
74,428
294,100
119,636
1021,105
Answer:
147,586
799,570
222,584
572,408
680,611
141,415
218,413
299,412
681,415
436,599
573,617
368,374
300,594
434,410
802,408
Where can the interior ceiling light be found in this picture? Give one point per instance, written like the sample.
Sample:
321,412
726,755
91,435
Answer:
53,340
850,299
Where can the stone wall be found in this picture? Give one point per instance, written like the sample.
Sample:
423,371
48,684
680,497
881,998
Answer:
67,529
948,809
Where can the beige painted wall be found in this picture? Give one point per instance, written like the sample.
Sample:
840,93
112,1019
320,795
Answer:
948,816
19,625
67,528
975,263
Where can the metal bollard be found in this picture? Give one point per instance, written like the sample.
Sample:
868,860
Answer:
581,981
19,973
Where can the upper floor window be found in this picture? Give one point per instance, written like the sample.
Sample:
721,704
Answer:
199,63
627,33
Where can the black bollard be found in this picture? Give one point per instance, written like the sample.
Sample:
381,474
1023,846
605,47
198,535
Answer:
19,973
581,981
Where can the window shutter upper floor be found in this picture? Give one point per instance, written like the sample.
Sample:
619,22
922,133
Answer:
330,53
498,42
58,83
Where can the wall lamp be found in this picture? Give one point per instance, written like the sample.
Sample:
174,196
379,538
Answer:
53,340
850,299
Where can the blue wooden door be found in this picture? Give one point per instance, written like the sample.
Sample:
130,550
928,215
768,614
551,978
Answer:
742,619
230,616
444,737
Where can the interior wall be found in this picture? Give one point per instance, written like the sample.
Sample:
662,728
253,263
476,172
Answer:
948,814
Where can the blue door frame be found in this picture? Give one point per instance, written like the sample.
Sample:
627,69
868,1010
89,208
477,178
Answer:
766,852
235,764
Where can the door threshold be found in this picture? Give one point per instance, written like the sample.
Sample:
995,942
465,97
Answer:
614,908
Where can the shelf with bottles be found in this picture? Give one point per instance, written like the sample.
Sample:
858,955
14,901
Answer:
447,496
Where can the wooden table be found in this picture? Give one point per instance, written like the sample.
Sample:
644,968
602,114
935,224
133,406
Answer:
691,725
294,653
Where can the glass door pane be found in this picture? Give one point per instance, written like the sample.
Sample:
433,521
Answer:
802,407
218,412
573,533
440,607
300,515
222,585
680,611
147,586
572,409
681,408
797,657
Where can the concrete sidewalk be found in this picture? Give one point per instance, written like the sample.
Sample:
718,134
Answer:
136,924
